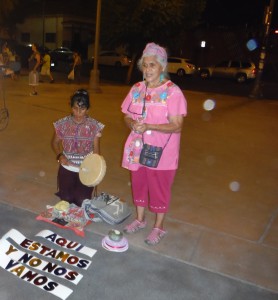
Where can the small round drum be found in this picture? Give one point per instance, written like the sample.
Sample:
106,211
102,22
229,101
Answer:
92,170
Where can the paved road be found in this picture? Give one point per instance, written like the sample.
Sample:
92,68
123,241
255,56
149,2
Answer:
269,84
223,216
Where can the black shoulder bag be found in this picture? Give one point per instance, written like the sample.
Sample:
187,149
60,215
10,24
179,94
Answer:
150,155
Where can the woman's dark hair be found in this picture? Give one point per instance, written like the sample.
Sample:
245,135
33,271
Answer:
81,97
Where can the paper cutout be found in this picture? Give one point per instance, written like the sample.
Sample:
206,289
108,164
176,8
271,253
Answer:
17,262
39,264
34,278
60,256
62,242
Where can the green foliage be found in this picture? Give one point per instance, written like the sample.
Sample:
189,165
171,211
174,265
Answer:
6,7
123,22
135,22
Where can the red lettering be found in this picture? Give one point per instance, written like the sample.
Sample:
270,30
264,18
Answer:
29,276
71,275
61,242
40,280
72,245
26,243
72,260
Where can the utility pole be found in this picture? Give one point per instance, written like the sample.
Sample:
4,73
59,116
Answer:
43,22
94,75
257,89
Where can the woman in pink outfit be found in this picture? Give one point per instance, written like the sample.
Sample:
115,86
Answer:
153,110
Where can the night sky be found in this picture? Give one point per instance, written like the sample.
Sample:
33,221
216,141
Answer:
217,12
238,12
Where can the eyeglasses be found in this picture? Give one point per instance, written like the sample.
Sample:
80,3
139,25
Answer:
143,113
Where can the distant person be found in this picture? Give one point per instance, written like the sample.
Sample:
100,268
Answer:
7,53
77,64
8,60
46,65
14,64
4,70
34,64
154,110
1,60
76,135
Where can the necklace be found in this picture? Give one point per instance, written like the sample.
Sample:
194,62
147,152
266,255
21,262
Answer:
155,84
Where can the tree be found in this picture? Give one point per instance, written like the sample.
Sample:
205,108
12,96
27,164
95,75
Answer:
6,7
136,22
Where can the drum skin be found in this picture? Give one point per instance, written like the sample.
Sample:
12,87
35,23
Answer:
92,170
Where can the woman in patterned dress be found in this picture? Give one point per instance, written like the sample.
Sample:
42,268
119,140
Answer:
74,138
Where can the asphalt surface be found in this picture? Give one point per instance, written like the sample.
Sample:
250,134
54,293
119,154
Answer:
222,225
267,87
135,274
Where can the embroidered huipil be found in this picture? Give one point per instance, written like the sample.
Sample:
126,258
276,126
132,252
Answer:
77,139
160,103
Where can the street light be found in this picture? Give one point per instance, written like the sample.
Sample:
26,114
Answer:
94,75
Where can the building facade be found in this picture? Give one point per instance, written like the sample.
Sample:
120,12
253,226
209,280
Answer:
53,31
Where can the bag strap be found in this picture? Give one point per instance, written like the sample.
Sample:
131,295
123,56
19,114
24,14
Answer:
143,111
165,143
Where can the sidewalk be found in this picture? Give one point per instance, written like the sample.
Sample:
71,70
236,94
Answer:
223,216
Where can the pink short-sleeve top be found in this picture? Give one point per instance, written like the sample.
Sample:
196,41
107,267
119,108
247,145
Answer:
153,106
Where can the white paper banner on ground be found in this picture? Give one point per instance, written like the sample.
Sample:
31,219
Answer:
63,242
34,278
17,262
60,256
38,264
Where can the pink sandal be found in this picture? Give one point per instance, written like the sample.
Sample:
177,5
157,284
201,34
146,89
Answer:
155,236
135,226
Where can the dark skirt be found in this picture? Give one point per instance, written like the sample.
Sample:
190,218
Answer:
70,187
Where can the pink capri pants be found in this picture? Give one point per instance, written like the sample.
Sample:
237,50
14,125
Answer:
152,188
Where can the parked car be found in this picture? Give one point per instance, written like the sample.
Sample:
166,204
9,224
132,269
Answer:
181,66
112,58
61,54
239,70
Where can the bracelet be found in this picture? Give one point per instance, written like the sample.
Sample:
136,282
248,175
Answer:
59,155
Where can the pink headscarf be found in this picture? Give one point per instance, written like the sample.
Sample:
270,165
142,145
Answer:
154,49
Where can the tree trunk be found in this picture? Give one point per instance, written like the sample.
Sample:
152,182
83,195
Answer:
130,69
